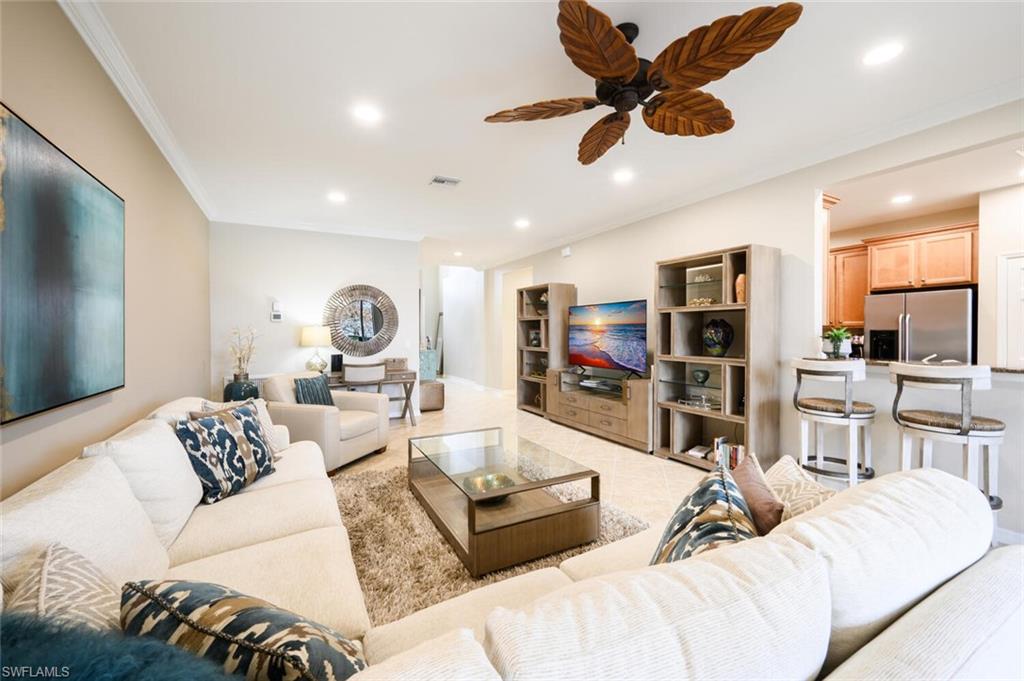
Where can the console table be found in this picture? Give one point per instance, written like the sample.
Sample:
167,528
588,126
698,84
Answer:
406,379
622,415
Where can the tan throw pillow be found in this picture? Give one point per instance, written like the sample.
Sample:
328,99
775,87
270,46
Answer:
765,506
795,487
63,586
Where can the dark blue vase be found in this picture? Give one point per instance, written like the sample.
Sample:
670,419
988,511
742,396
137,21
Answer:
718,337
240,388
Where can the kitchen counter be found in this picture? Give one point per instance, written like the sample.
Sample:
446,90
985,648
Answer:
995,370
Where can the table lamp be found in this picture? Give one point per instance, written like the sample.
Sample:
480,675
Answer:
316,337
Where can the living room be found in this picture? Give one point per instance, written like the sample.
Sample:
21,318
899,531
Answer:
476,492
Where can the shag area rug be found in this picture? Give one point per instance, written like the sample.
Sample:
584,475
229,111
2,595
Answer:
405,564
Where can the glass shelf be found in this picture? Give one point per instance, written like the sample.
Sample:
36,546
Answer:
704,283
689,384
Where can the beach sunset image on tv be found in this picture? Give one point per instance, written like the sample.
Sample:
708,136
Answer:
609,335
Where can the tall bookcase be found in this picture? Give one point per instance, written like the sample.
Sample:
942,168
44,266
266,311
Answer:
699,396
542,321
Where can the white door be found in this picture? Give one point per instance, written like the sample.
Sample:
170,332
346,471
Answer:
1014,311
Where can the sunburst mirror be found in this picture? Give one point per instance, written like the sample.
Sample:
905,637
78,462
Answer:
363,320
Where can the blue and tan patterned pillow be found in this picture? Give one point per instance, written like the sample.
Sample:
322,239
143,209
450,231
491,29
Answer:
313,390
713,515
227,450
247,635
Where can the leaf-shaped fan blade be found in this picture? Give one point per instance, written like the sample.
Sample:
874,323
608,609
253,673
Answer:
552,108
602,136
709,52
687,112
593,44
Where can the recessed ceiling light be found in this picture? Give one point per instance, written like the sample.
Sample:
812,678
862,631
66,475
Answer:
336,197
457,254
521,223
902,198
623,175
367,113
883,53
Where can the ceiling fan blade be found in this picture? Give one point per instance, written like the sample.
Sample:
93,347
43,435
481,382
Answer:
593,44
602,136
552,108
709,52
687,112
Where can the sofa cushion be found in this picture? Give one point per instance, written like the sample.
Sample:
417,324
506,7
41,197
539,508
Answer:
269,433
310,573
159,472
454,655
88,506
176,410
468,610
227,449
971,627
281,387
626,554
757,609
63,586
713,515
797,489
888,543
255,517
300,461
245,635
356,423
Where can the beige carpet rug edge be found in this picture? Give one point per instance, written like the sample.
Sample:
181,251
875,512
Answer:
403,562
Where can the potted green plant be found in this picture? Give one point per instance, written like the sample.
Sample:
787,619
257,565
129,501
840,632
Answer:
838,341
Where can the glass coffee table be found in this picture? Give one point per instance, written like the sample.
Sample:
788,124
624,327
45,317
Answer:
494,501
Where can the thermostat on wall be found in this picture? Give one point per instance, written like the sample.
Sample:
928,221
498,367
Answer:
275,312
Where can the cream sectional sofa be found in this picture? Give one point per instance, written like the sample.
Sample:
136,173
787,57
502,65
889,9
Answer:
891,579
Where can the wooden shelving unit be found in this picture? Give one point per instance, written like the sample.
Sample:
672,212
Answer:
734,395
542,320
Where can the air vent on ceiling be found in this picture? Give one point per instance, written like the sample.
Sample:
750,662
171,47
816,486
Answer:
443,181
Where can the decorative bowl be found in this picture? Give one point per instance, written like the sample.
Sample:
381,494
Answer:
478,484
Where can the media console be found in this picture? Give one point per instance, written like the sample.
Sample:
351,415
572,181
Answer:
615,409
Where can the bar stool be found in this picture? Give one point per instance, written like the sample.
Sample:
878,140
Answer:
972,432
818,412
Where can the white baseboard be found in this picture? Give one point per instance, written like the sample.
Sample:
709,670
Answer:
1004,536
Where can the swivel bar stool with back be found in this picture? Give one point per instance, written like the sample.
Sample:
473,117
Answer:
976,434
819,412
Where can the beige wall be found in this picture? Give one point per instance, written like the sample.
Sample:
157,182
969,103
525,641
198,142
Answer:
855,235
50,78
252,266
1000,232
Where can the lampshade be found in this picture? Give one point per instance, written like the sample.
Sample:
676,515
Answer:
315,337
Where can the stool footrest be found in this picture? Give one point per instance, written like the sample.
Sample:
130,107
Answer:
862,472
995,503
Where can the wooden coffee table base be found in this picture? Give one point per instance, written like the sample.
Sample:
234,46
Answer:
527,525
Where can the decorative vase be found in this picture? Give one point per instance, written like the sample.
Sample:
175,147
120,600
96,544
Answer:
240,388
741,288
718,335
837,349
701,376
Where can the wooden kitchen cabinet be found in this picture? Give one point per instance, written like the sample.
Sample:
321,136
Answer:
850,274
937,257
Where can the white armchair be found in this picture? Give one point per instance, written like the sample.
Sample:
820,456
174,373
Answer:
355,426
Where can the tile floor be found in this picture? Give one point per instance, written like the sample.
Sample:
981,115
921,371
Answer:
644,485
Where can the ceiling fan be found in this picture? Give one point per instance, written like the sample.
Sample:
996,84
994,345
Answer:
624,81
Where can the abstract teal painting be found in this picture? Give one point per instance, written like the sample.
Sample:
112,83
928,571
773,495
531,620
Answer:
61,277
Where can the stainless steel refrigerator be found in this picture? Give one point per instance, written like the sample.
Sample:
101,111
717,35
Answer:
910,327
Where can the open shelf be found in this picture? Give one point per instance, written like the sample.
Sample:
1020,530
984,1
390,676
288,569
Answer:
541,338
732,396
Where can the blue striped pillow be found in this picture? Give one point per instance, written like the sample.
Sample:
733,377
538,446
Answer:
313,390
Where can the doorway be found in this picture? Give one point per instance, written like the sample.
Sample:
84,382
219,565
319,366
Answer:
510,281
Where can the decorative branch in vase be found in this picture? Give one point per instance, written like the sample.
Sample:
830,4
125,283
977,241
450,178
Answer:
242,347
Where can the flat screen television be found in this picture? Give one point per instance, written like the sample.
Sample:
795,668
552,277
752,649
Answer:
609,335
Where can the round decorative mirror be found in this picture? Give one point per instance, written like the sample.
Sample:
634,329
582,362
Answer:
363,320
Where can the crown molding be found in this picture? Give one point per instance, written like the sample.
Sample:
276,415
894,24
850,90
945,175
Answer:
88,20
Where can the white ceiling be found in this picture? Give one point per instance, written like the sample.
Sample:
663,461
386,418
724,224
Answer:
250,101
935,185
